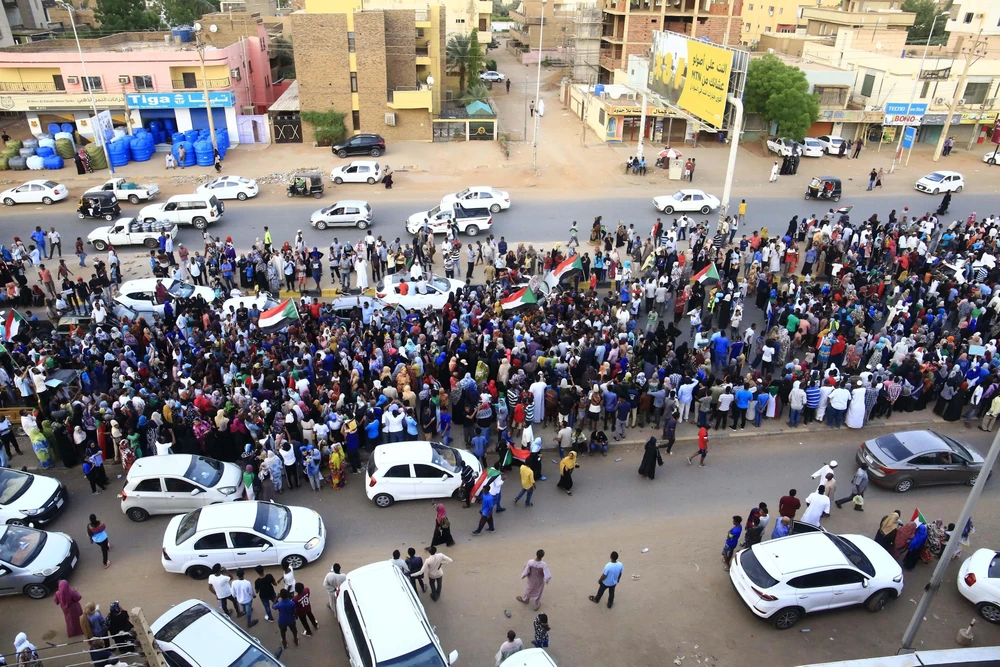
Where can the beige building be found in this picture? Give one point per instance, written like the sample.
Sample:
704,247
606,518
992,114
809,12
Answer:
526,25
763,17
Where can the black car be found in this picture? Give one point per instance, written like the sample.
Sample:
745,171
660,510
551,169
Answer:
360,144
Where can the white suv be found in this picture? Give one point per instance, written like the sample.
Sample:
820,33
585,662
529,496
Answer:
416,469
177,484
383,621
183,632
199,210
784,579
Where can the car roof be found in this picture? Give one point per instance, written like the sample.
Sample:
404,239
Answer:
170,464
37,181
692,191
380,597
798,553
352,300
228,515
192,639
945,172
413,451
918,442
532,657
360,203
370,163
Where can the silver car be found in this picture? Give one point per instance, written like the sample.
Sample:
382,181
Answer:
33,561
906,459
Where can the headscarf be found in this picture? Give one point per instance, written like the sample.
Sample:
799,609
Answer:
889,523
248,476
21,643
567,463
904,535
441,512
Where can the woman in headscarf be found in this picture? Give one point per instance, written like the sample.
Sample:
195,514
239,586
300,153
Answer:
902,541
249,479
915,545
935,541
69,601
93,622
276,469
886,533
41,447
25,651
63,444
566,468
442,528
338,467
953,411
650,459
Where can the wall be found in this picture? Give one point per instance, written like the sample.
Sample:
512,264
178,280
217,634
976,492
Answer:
322,66
256,76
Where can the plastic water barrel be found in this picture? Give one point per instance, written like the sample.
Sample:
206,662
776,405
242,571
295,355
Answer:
169,125
67,127
14,143
10,152
43,136
47,143
598,89
17,163
191,136
184,33
35,163
222,137
45,151
96,155
53,162
27,151
53,128
142,147
119,151
30,143
189,157
204,154
3,163
65,149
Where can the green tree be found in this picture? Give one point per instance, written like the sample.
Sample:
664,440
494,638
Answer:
186,12
328,125
926,10
125,15
464,55
475,92
780,93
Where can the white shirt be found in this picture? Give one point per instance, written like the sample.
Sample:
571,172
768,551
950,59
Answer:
243,590
289,578
220,584
817,505
839,398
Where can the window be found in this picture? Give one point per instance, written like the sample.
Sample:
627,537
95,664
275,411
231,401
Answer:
356,119
815,580
868,85
397,472
175,485
148,485
746,27
360,640
925,460
188,80
600,117
781,10
214,541
354,82
350,42
975,93
459,20
57,81
142,82
770,11
750,7
767,29
247,540
844,577
968,17
91,82
424,471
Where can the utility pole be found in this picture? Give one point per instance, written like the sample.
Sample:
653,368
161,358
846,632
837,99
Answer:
200,46
959,89
525,135
734,144
538,89
642,128
729,22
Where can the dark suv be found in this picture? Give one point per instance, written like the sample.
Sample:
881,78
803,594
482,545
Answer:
360,144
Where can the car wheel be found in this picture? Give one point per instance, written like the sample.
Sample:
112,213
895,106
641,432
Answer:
972,480
294,561
198,572
17,522
472,230
341,153
495,208
109,217
989,611
7,201
935,191
787,617
991,161
836,198
133,199
457,494
375,152
137,514
383,500
877,602
362,224
318,195
705,210
151,243
958,189
242,196
669,210
47,201
320,225
100,246
338,180
904,485
199,223
36,591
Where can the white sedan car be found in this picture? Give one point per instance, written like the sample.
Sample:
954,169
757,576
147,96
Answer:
359,171
940,181
176,483
992,157
689,201
181,634
230,187
420,294
783,579
979,583
140,294
244,534
831,143
783,146
811,147
29,500
35,192
416,470
478,196
492,77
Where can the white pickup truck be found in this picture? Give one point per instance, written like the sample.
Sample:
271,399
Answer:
129,231
469,221
126,189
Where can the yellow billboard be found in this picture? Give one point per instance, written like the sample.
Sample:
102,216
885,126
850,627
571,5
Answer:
692,74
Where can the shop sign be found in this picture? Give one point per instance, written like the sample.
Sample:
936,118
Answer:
939,118
637,110
901,113
179,100
30,102
849,116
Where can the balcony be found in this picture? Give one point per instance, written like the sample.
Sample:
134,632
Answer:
609,62
20,87
423,55
422,18
198,84
614,39
410,97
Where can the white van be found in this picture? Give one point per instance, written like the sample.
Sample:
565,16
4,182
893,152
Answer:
199,210
383,621
531,657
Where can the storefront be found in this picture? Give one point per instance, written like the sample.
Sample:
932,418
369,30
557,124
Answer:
620,121
850,124
40,111
186,111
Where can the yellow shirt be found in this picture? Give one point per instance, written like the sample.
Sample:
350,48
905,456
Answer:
527,476
743,208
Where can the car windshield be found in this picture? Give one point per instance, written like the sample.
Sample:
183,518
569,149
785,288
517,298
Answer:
246,181
273,520
13,484
445,457
181,622
853,554
754,570
434,211
181,289
49,184
187,527
994,571
204,471
19,545
678,196
255,657
441,283
428,656
936,176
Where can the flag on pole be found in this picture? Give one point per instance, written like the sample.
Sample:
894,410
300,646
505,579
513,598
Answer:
523,297
12,324
278,317
571,263
918,516
708,274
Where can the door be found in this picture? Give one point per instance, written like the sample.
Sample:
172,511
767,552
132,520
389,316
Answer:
118,235
190,81
169,212
429,481
336,216
363,172
182,495
10,583
398,482
846,588
351,174
148,494
287,128
212,548
250,549
356,145
812,591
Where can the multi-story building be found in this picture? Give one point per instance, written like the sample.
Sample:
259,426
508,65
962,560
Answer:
973,16
461,16
762,17
629,26
23,21
527,21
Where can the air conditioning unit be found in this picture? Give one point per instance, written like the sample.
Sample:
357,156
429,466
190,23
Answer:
390,119
235,73
990,102
939,101
124,78
961,102
73,79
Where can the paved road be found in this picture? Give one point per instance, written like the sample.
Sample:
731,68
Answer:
533,218
682,603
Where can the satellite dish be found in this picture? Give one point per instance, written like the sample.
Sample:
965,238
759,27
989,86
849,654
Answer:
215,28
430,81
197,26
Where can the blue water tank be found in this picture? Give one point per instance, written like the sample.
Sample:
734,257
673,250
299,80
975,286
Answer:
53,128
184,33
204,154
67,127
598,89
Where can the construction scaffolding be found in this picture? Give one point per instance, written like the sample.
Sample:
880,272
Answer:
582,46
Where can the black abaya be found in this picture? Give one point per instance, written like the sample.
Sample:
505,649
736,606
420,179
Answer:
650,458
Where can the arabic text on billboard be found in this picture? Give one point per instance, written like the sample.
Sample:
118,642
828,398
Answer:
692,74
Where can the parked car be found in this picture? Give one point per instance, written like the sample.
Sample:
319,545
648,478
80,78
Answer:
783,146
244,534
360,144
979,582
199,210
811,147
192,634
830,143
421,294
414,470
28,499
230,187
33,561
384,623
478,196
940,181
529,657
343,307
125,189
177,483
469,221
39,191
263,301
991,156
492,77
784,579
696,201
359,171
906,459
128,231
140,294
346,213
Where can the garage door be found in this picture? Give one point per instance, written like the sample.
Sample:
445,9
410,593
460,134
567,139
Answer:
820,129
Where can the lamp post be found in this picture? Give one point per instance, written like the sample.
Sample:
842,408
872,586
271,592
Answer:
200,47
90,89
538,89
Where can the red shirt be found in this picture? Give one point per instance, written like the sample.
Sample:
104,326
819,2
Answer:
302,604
788,506
703,439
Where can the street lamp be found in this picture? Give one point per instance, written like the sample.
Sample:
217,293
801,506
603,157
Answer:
538,89
90,89
200,47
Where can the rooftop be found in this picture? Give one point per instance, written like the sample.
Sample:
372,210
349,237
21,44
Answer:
122,42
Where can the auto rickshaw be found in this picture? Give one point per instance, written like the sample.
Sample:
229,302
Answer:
306,184
824,187
99,205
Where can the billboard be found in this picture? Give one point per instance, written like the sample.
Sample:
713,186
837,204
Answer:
692,74
901,113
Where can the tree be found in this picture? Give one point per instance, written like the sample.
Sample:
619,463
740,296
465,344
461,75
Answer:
464,55
780,93
926,10
186,12
328,126
125,15
475,92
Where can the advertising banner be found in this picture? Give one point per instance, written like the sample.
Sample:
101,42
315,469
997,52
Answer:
179,100
901,113
692,74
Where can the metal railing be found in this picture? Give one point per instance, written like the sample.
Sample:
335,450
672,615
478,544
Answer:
180,84
421,15
20,87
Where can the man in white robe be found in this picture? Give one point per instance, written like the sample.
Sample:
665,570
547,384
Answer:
856,411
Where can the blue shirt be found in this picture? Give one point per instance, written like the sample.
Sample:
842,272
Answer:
733,538
487,500
286,611
743,397
612,573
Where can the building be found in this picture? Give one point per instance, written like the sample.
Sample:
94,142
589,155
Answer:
628,26
582,46
23,21
865,16
142,77
972,16
462,16
527,20
763,17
